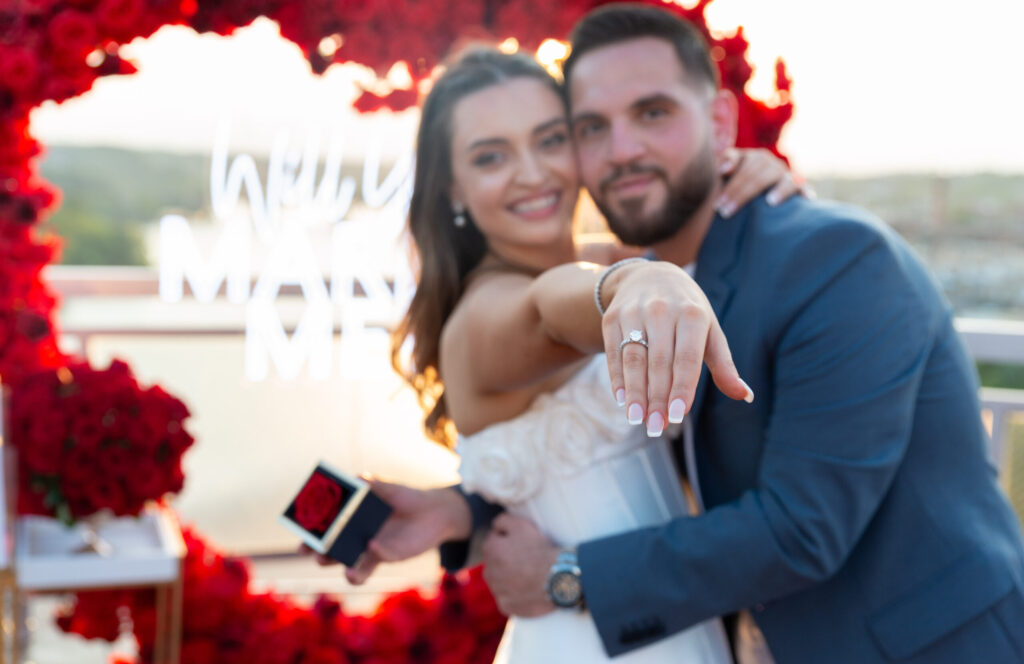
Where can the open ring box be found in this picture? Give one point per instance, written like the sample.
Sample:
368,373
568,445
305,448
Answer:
335,514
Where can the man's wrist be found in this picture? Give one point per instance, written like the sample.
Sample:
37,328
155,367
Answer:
564,583
459,517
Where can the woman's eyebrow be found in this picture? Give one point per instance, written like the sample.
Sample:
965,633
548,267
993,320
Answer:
486,141
553,122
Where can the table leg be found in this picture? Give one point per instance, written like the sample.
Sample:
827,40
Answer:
160,654
176,607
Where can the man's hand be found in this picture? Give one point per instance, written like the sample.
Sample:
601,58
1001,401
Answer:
517,560
421,519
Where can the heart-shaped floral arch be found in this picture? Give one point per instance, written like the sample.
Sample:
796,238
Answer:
65,415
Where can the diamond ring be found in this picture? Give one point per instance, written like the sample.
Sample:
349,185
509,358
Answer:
634,337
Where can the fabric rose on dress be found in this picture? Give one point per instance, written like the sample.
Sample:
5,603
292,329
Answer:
568,436
318,503
502,468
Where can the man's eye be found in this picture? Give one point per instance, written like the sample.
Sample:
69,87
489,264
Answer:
588,129
653,113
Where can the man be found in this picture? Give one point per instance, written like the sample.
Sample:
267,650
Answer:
851,509
850,513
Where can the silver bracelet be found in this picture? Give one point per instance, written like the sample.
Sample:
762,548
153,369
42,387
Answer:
604,275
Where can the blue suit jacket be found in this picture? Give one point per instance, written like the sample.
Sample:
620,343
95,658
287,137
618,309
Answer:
852,507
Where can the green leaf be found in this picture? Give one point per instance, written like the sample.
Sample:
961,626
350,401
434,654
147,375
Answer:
64,514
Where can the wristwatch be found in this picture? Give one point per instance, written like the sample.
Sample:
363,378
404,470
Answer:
565,588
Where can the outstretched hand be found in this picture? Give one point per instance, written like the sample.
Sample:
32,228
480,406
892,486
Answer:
676,331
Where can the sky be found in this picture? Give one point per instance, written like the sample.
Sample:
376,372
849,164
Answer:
879,86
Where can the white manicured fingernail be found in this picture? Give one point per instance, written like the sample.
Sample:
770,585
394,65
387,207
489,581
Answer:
750,393
635,414
620,397
726,209
655,425
676,411
772,198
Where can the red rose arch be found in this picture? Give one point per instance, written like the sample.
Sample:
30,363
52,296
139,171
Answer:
84,433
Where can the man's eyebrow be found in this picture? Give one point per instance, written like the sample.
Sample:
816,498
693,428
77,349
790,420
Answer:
656,98
586,115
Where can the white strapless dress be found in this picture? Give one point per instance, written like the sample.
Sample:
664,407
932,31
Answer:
574,466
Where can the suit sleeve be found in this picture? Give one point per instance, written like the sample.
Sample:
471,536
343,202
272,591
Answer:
457,554
848,358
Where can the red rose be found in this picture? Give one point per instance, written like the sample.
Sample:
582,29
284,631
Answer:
73,33
200,651
19,68
318,503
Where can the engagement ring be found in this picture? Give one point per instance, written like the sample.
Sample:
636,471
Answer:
634,337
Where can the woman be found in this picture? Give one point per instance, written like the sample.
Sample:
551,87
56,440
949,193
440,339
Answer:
505,338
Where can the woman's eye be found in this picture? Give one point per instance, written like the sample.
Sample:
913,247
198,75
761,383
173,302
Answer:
554,140
488,159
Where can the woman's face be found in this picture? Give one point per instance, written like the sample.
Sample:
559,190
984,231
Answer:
513,166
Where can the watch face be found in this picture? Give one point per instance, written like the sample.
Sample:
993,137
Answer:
565,589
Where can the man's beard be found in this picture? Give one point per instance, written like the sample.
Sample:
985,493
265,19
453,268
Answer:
685,196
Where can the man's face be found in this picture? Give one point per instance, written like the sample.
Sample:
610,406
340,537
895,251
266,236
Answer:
643,136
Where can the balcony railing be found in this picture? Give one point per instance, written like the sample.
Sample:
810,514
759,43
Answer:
96,288
996,341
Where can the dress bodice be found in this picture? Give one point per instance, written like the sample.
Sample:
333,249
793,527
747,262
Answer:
573,465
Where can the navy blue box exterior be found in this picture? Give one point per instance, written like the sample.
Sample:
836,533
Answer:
360,529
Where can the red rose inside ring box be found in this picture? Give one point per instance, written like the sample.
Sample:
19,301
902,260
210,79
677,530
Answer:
335,514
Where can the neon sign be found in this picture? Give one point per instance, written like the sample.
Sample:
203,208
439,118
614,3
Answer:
364,253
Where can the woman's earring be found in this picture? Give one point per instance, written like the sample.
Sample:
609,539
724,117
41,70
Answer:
460,215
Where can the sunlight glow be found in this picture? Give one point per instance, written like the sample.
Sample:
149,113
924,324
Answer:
551,53
510,45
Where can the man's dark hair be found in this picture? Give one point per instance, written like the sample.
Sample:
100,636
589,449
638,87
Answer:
620,22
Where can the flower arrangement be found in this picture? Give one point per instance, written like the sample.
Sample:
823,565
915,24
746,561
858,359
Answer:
91,440
79,429
227,623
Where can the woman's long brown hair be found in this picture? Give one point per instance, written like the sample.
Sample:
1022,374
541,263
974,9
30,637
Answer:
445,253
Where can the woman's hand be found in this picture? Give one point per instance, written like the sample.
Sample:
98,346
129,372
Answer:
654,372
751,171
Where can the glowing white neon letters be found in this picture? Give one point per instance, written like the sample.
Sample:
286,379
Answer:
364,253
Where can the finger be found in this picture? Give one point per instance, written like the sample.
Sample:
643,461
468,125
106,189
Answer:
501,524
743,187
384,553
718,357
691,342
783,190
758,170
633,358
364,567
612,332
324,561
660,349
807,191
730,160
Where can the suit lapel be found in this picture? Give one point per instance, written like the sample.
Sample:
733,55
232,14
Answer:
719,254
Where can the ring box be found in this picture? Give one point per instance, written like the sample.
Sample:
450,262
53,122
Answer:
335,514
